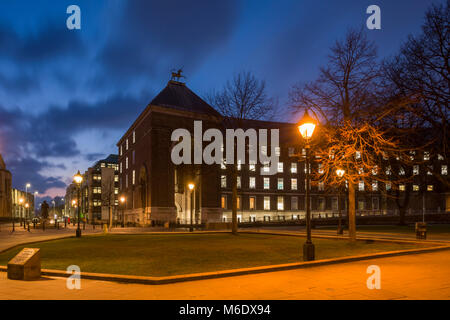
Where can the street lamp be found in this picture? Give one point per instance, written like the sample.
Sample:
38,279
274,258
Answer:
191,187
306,128
21,200
26,195
122,201
78,178
340,173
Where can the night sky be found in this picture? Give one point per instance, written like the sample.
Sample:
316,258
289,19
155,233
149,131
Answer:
67,96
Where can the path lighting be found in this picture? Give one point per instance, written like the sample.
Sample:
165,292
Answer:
306,128
78,178
340,173
191,187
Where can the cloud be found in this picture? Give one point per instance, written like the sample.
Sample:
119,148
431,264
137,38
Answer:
156,36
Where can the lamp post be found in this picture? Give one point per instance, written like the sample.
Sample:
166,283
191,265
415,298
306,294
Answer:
122,201
191,187
340,173
78,178
28,185
21,200
306,127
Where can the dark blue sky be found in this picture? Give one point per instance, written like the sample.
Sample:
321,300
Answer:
66,96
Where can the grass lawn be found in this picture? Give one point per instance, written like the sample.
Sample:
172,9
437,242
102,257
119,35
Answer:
441,229
162,255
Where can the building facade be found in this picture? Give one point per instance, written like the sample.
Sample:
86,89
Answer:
22,204
99,192
156,190
5,191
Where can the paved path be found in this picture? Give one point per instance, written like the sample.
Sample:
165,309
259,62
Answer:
423,276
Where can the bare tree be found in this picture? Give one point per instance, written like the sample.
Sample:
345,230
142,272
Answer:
242,98
108,197
348,100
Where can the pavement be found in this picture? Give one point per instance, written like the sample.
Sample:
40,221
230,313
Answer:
422,276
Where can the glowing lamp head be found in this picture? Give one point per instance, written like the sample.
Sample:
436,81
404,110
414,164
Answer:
340,172
74,202
28,185
78,178
306,126
26,205
21,200
122,199
191,186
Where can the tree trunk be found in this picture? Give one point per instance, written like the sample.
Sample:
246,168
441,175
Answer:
351,212
110,217
234,228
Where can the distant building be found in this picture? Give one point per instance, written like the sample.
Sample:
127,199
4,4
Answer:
5,191
99,192
22,204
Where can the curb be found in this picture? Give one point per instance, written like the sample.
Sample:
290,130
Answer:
233,272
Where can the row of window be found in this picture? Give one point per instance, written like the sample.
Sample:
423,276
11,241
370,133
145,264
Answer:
126,143
133,179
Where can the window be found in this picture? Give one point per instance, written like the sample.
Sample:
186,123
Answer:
266,167
294,167
277,151
223,164
321,204
430,170
415,187
133,157
412,153
426,156
116,190
375,186
280,166
293,184
375,171
126,144
415,170
239,164
321,186
358,155
280,203
320,168
126,181
401,171
97,177
444,170
309,168
361,204
134,136
360,171
252,165
126,163
116,178
388,186
294,203
96,203
223,181
361,185
238,202
266,183
252,202
120,150
280,185
388,171
252,183
97,190
102,164
238,182
223,201
266,203
121,167
440,157
430,187
334,204
291,152
133,178
402,187
375,203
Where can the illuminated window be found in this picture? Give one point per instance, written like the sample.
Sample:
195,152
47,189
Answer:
401,171
277,151
321,186
291,152
388,186
415,170
430,170
97,190
266,167
375,186
360,171
126,144
133,178
223,164
238,182
426,156
280,203
280,166
252,183
121,167
239,164
440,157
134,136
223,181
126,163
116,178
280,185
358,155
293,184
223,201
402,187
266,203
444,170
375,171
415,187
294,167
252,202
388,171
266,183
238,202
252,165
430,187
361,185
116,190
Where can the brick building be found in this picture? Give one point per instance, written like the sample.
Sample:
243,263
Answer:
156,190
5,191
